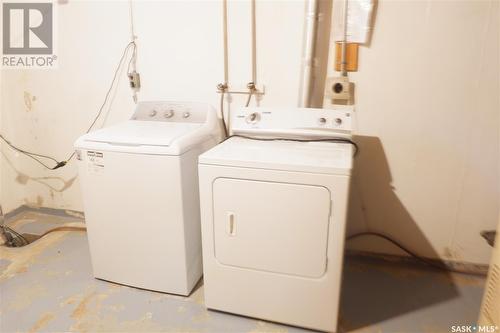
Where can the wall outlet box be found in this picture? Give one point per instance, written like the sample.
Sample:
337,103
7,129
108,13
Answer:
338,88
134,79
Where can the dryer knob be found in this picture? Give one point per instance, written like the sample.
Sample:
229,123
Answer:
253,118
153,113
169,114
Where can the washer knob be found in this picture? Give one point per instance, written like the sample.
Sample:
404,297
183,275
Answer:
322,121
338,121
253,118
169,114
153,113
186,114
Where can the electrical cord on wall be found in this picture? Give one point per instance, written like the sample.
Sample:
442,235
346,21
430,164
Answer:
36,157
133,76
39,158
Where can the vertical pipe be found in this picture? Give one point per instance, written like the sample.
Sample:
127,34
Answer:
343,60
224,86
132,67
254,44
224,33
133,37
308,60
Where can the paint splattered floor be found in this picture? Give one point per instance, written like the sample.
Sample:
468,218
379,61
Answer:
48,287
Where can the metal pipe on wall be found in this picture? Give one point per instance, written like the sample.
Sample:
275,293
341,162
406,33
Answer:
254,43
225,37
308,59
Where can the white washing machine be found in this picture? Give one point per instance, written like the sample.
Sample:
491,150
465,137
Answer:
139,182
274,215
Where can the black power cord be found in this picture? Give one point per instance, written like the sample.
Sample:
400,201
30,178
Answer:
34,155
435,264
333,140
12,237
59,164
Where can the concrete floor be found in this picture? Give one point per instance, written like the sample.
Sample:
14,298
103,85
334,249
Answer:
48,287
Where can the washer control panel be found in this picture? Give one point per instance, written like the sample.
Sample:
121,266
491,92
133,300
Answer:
170,112
297,120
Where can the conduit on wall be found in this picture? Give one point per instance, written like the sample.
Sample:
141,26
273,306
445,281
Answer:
308,59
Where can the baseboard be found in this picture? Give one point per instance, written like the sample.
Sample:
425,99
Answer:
14,212
466,267
44,210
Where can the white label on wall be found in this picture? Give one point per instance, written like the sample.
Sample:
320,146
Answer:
359,20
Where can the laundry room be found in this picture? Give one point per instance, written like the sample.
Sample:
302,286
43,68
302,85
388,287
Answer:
250,166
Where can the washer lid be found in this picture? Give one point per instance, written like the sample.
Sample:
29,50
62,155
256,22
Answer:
141,133
317,157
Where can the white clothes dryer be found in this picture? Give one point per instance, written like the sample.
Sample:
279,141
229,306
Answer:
273,215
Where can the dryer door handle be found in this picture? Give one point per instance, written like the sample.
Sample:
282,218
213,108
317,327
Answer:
231,227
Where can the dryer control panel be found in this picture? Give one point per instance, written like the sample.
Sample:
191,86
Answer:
177,112
293,121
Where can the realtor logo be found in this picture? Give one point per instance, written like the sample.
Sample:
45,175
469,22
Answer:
28,34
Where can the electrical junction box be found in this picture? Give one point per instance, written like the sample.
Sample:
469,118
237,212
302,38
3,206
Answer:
339,88
135,81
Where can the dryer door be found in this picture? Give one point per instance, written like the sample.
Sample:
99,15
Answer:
273,227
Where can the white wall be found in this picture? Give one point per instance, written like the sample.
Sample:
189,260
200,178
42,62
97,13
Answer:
427,100
180,58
